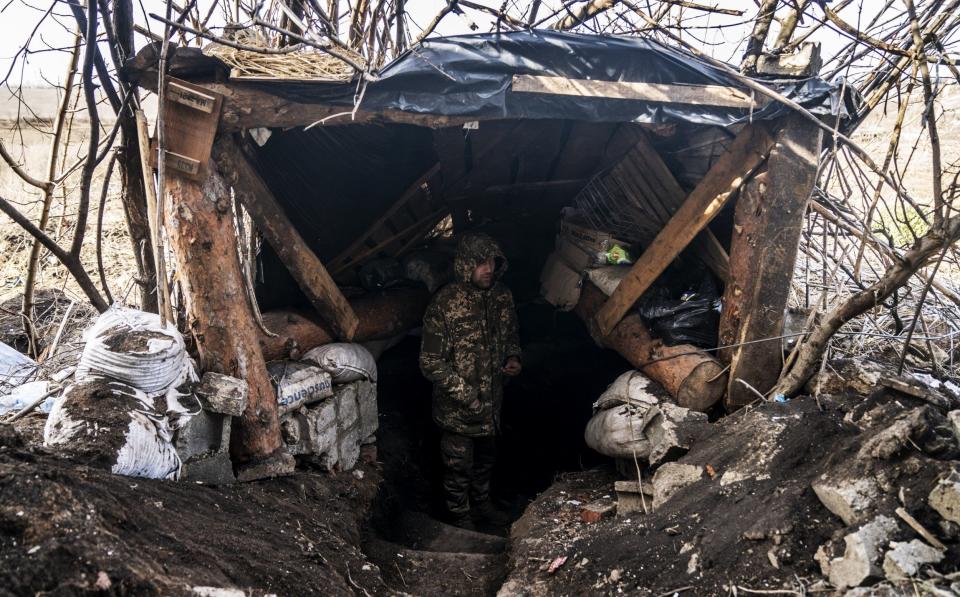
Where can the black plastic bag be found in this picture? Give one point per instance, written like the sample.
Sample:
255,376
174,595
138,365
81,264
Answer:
683,308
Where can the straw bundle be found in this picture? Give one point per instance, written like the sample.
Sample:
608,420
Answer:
300,65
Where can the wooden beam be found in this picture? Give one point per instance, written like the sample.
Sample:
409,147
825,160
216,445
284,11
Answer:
699,95
273,223
150,191
245,106
382,315
695,379
348,255
747,151
768,222
671,194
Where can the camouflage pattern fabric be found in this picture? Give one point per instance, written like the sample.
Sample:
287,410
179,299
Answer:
468,465
468,333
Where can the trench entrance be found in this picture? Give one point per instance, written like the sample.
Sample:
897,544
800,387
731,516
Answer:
544,414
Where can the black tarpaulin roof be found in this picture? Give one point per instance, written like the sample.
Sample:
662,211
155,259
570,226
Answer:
472,76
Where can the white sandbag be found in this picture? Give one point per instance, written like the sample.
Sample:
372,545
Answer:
298,383
632,422
345,362
116,425
15,368
132,347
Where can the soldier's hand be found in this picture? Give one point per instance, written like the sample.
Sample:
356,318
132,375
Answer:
513,367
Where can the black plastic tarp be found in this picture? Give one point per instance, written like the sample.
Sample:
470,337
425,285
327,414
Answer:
471,76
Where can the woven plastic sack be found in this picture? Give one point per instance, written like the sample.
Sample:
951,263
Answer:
119,426
132,347
345,362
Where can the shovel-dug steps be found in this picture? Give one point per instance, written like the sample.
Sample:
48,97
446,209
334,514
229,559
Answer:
428,557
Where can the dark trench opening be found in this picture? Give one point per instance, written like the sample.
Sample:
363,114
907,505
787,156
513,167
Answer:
546,408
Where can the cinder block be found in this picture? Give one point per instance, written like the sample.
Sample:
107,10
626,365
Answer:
222,394
203,445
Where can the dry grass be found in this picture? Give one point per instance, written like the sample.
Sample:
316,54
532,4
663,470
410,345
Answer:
307,64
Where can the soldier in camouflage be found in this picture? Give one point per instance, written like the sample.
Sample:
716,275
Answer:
470,342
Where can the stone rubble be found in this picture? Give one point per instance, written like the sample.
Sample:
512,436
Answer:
861,557
671,478
905,559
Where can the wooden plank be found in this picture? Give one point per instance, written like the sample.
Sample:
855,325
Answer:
189,131
272,222
669,196
768,221
746,152
699,95
338,262
163,293
194,98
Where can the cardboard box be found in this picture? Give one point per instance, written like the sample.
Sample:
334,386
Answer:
575,256
589,239
560,284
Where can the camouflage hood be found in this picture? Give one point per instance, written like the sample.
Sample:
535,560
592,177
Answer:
473,248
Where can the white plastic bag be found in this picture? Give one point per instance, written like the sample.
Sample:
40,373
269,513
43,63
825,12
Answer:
345,362
15,368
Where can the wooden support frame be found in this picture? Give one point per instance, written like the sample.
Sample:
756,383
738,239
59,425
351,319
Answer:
671,193
768,222
747,151
699,95
276,227
358,249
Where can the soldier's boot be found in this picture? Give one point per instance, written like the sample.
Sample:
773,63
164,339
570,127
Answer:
490,514
464,521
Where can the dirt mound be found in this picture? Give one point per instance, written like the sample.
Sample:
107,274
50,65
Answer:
71,529
746,517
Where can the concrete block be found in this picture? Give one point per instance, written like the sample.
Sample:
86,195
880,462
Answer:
222,394
597,511
945,498
852,500
861,558
204,434
671,478
905,559
203,445
367,405
631,497
333,431
280,465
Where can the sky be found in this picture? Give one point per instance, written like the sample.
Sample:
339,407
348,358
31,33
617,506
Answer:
43,66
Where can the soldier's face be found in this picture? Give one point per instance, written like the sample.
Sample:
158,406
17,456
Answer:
483,273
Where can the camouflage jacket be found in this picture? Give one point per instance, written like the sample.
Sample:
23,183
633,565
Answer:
468,333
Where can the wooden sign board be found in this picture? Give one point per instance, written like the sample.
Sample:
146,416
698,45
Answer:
191,116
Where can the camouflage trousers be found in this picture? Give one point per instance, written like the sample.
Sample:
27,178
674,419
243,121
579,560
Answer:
467,468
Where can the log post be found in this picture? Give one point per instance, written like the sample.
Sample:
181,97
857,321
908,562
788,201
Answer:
695,379
199,224
276,227
381,315
767,225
